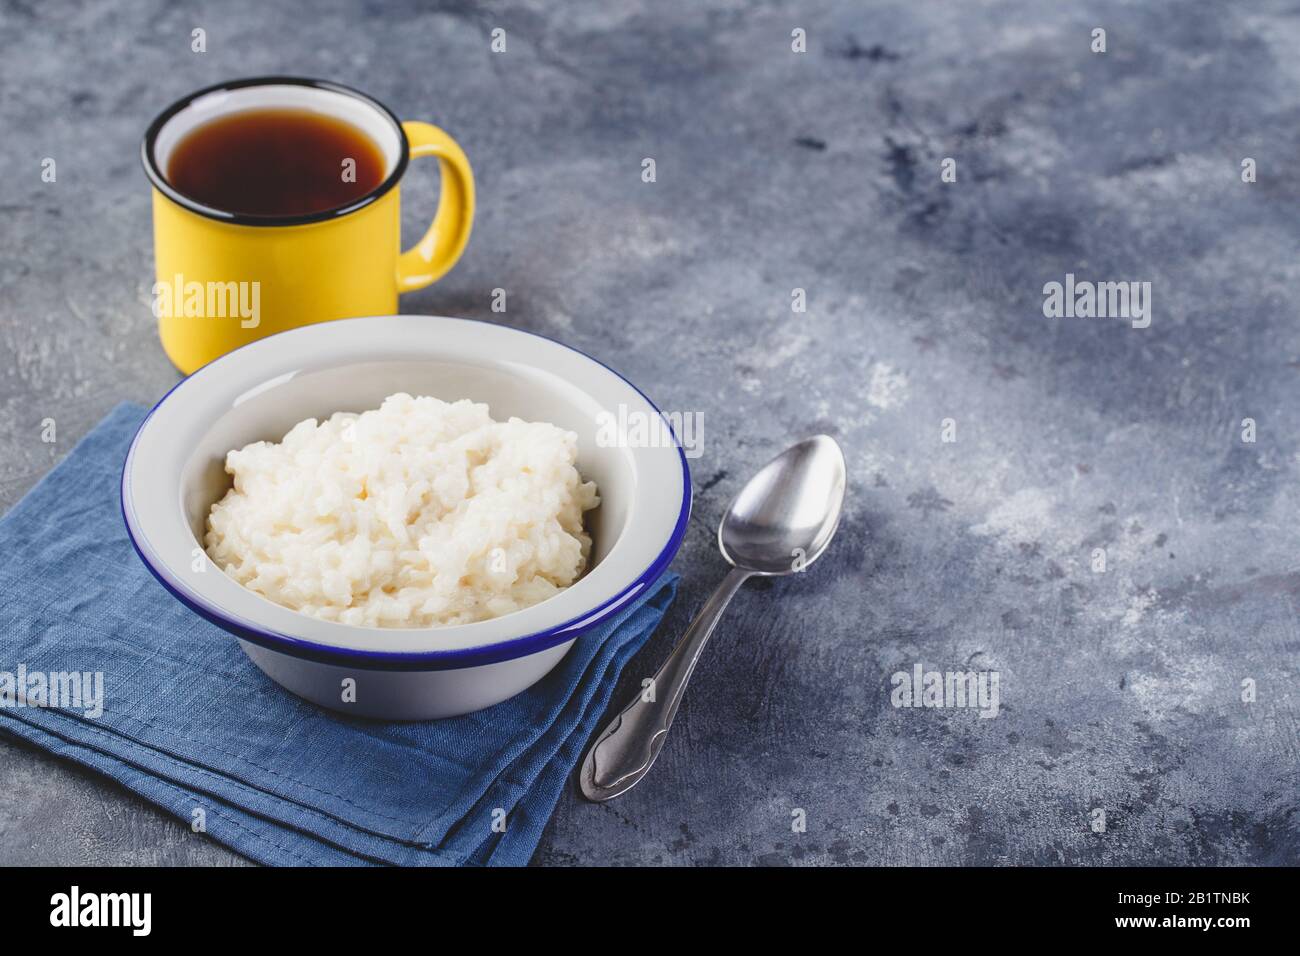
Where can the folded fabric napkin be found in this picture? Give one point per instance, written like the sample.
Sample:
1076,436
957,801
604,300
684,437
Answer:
190,724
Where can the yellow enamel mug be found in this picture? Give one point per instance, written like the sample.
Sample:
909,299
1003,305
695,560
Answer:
226,279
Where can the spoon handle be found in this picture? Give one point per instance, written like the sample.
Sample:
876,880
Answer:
627,748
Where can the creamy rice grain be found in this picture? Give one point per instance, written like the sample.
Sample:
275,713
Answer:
418,514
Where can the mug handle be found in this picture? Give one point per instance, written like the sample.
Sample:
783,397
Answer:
430,258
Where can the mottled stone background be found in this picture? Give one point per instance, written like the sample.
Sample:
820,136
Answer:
1120,690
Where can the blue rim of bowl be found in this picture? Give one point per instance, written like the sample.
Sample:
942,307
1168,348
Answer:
497,652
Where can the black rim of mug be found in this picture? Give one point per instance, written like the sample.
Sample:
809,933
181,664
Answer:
160,182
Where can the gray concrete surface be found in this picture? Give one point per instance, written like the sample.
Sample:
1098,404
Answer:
1120,691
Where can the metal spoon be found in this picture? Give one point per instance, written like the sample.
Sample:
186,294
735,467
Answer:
780,523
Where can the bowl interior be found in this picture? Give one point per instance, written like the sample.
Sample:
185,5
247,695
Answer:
515,391
175,471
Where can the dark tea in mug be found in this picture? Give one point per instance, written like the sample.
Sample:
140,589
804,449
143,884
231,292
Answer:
276,162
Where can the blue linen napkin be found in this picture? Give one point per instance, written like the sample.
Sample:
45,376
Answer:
190,724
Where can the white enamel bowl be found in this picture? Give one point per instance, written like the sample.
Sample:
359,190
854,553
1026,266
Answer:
175,471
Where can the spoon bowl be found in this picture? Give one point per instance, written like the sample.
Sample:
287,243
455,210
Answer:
786,514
